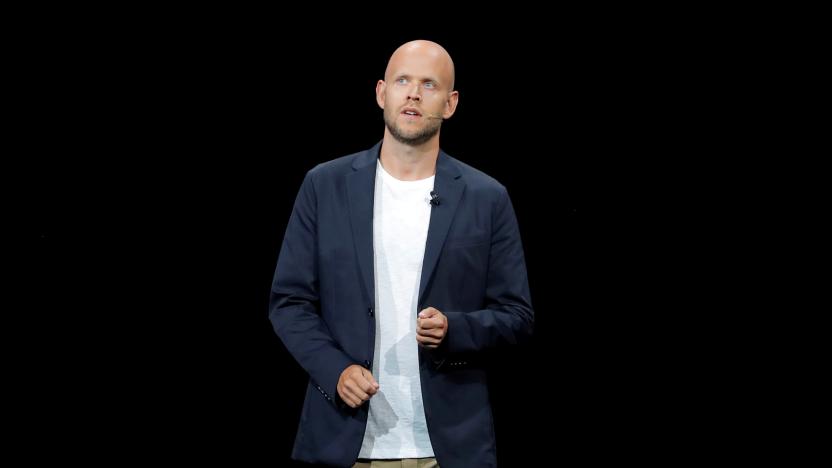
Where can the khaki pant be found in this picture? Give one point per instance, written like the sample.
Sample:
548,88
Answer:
404,463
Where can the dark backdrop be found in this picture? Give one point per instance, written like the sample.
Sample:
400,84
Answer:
162,165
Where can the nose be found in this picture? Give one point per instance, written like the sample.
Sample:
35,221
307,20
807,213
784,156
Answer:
414,94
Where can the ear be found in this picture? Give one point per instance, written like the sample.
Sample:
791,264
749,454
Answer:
450,104
380,87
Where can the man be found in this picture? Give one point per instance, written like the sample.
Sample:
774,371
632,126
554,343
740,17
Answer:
400,265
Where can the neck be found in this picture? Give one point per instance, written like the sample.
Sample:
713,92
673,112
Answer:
406,162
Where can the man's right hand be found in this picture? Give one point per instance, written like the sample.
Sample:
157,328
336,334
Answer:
356,385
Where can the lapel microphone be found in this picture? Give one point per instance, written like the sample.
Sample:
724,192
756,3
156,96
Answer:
434,198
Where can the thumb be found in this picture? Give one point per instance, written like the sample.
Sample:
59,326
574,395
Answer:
427,312
369,376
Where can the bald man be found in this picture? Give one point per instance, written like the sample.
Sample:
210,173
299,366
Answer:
399,267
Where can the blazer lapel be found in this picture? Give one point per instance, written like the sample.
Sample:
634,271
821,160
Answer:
360,194
449,188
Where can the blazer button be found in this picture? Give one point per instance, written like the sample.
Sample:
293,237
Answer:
367,363
370,311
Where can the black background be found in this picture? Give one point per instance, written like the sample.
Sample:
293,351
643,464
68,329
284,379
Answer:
160,166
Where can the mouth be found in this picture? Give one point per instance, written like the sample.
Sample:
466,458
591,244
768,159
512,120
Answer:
411,112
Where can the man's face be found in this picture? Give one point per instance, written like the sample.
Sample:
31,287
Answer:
416,96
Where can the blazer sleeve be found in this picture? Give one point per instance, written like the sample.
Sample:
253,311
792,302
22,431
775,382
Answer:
508,317
294,303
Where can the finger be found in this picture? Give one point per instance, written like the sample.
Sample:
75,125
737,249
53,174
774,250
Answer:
356,390
348,398
435,322
432,333
428,312
427,324
367,387
354,399
427,340
350,401
371,386
429,345
437,332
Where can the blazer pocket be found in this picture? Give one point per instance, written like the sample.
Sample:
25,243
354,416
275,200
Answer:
467,241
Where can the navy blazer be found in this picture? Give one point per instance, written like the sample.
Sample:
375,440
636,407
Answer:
322,303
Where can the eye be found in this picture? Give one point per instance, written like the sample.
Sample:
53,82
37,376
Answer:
401,80
430,85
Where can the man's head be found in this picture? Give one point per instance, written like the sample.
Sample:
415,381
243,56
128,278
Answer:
417,92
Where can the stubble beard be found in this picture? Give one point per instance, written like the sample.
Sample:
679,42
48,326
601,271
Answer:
412,139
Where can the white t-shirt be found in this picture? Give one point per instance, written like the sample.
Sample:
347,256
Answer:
396,426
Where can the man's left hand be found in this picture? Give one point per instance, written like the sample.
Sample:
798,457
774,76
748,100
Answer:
431,327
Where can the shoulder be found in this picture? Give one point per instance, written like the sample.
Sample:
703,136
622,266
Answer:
332,173
333,167
477,181
336,168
